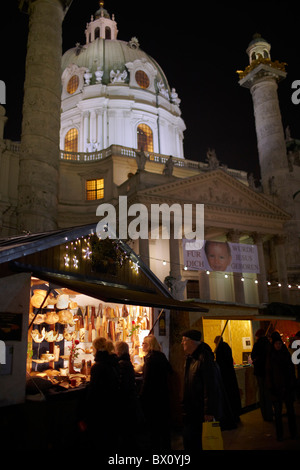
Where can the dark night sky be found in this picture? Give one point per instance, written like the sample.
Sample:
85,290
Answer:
199,49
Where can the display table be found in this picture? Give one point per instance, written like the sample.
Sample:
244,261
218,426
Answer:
247,385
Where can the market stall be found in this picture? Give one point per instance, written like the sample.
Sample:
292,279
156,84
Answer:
81,286
61,333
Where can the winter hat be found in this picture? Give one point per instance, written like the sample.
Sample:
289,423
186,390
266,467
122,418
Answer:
195,335
275,336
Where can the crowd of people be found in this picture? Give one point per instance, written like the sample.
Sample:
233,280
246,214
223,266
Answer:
125,409
277,379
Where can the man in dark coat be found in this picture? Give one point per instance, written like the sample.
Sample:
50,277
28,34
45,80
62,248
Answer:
224,359
199,388
281,381
103,398
259,358
128,398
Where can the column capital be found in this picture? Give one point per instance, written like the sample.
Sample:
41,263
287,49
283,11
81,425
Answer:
234,236
280,239
257,237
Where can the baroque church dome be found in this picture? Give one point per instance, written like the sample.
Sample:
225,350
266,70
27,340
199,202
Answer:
117,82
107,55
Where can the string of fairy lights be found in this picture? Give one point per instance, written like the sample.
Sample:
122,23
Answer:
80,250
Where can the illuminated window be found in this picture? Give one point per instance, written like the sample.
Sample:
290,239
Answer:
142,79
94,189
71,140
144,138
73,84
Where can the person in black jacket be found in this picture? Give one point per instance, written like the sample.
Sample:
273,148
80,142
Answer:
129,411
223,354
259,358
102,399
199,388
155,394
281,381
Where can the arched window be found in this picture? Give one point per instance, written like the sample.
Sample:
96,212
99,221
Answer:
71,140
266,54
97,33
144,138
107,33
73,84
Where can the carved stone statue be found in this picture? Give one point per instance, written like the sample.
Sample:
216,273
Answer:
213,162
118,77
272,186
99,74
141,159
251,181
177,288
169,165
174,97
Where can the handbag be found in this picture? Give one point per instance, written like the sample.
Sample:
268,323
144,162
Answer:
212,436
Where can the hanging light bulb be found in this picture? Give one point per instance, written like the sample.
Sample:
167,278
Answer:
67,261
87,253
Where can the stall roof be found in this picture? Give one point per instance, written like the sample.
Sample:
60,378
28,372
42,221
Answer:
15,250
281,310
112,293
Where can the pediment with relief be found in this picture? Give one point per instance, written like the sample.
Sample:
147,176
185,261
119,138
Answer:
217,190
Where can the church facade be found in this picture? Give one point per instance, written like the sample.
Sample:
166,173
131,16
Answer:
120,132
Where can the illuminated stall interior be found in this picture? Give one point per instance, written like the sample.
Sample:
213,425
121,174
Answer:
237,333
61,333
84,286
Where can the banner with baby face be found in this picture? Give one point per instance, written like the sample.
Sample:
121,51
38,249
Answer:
220,256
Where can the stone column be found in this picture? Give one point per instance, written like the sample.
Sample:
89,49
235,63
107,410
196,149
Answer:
93,126
105,129
99,113
269,129
39,155
204,289
175,270
262,276
282,268
3,120
86,137
144,251
234,237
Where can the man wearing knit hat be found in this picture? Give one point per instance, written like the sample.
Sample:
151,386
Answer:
199,388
